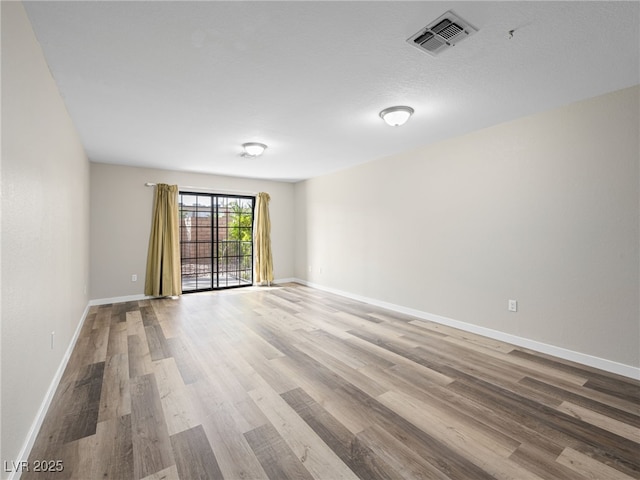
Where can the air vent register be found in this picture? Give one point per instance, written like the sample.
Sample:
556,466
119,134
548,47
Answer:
442,34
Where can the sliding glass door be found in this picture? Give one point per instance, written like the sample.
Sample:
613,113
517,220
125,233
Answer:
216,241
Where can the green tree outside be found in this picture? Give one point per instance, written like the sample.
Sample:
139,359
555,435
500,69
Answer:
240,223
240,229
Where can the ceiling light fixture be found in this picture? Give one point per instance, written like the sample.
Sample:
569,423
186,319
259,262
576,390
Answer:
253,149
396,116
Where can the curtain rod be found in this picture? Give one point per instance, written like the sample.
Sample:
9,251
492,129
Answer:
208,190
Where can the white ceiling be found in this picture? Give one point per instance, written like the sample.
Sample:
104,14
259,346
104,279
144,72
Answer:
181,85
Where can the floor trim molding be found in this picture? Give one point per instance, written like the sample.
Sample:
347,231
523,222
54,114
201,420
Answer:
23,455
126,298
135,298
578,357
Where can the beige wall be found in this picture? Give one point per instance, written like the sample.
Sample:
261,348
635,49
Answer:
121,208
45,229
544,210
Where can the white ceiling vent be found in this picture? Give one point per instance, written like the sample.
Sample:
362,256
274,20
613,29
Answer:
442,34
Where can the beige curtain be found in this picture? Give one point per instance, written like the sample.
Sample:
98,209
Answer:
163,259
262,241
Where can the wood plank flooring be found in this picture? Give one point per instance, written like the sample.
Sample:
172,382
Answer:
290,382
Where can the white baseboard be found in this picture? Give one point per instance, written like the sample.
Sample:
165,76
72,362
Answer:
578,357
23,455
127,298
135,298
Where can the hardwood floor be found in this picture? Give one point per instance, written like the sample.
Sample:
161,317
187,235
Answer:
294,383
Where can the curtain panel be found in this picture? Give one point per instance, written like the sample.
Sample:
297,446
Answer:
163,259
262,240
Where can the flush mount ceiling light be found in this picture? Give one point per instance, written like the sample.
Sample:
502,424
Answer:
396,116
253,149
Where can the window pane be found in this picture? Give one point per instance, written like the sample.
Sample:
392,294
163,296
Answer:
204,250
189,200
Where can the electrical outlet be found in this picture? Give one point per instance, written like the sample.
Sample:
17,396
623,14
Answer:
134,278
513,305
